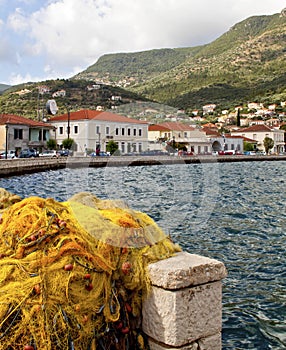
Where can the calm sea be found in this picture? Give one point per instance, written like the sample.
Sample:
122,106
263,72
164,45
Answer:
233,212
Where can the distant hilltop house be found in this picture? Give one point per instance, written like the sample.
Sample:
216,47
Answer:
43,89
209,108
93,87
254,105
22,92
59,93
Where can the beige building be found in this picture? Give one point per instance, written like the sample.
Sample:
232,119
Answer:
259,132
92,129
171,133
21,133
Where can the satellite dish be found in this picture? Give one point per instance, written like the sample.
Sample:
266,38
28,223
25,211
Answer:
52,107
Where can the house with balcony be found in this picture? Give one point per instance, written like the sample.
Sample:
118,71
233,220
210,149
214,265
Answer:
21,133
93,129
259,132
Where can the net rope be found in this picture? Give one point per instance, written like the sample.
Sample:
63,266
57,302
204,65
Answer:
73,274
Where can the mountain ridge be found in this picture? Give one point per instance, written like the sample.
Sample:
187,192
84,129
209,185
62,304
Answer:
244,58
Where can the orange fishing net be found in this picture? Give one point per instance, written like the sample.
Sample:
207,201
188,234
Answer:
73,274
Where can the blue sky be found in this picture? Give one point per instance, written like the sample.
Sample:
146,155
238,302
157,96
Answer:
53,39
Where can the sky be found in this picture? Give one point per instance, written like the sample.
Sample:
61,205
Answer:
56,39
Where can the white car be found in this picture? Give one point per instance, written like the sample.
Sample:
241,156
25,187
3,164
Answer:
49,154
10,154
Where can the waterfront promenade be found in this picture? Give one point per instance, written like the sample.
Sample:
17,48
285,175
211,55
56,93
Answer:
13,167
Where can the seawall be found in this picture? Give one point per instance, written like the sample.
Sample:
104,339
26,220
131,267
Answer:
14,167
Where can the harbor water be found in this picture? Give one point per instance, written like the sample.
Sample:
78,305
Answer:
233,212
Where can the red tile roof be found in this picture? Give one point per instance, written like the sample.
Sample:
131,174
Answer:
98,115
254,128
176,126
157,127
211,131
18,120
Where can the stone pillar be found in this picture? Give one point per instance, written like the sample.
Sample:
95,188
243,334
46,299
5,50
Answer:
184,309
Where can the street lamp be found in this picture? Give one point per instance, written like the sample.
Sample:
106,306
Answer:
69,117
6,146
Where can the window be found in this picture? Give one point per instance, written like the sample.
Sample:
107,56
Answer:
18,134
140,147
254,136
97,129
61,130
232,146
45,132
107,130
185,134
122,131
134,132
75,129
140,132
123,147
128,131
117,131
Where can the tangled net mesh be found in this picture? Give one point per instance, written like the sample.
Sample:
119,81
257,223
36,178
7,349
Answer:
73,274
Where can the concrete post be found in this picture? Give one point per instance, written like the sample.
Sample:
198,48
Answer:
184,308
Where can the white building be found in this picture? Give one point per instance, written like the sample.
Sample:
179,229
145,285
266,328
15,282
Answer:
91,129
174,132
259,132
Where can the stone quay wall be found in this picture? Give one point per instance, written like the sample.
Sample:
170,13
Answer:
13,167
184,308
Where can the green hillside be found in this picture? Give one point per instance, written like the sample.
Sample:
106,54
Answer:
3,87
136,67
246,63
32,104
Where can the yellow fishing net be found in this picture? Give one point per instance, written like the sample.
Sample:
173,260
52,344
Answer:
73,274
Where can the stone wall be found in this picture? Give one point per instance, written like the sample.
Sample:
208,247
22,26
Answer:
184,308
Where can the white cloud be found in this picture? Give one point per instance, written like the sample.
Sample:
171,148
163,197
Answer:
69,35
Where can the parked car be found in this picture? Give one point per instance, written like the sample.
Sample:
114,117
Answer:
49,154
229,152
99,154
10,154
65,152
29,153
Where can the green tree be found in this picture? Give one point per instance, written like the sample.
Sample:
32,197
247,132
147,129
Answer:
268,143
51,144
112,147
247,146
67,143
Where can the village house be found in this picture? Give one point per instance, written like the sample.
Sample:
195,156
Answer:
223,142
22,133
209,108
92,129
59,93
172,133
259,132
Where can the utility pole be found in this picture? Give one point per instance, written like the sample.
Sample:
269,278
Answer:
6,146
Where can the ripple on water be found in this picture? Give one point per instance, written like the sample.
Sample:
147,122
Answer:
234,212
